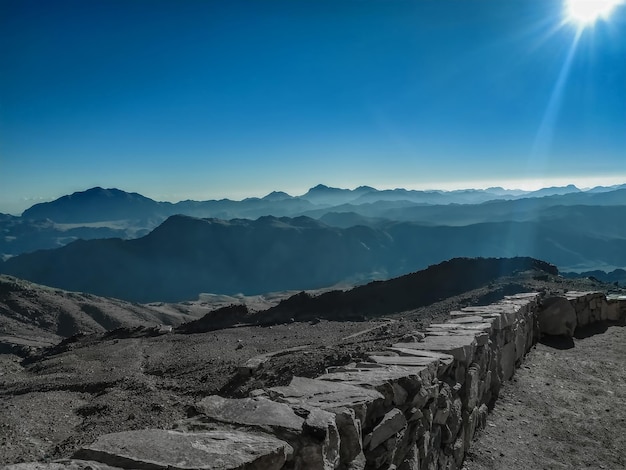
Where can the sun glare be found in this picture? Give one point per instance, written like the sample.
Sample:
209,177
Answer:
587,12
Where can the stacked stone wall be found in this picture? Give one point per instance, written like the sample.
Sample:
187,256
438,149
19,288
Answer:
413,406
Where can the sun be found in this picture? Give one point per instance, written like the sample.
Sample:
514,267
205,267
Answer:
587,12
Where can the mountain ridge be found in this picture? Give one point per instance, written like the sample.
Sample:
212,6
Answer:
185,256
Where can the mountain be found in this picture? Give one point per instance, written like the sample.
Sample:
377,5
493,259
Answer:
325,195
276,196
110,213
604,189
615,276
97,205
554,191
186,256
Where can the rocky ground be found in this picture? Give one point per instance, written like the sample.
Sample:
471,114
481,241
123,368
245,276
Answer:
52,403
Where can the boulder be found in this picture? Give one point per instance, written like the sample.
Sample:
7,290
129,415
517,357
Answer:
557,317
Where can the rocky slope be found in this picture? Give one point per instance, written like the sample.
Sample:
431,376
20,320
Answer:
129,378
32,316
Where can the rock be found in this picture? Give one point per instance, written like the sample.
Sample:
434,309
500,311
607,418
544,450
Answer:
311,432
172,450
460,346
61,465
413,337
349,403
444,361
407,361
557,317
251,412
507,361
393,422
326,395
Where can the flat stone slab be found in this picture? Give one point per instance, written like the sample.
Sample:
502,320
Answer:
444,361
379,377
460,346
407,361
250,411
391,423
466,317
457,325
172,450
61,465
324,394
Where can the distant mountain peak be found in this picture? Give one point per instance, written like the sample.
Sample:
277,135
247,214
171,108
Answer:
324,188
277,196
93,205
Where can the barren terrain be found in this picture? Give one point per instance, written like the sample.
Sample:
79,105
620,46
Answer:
63,397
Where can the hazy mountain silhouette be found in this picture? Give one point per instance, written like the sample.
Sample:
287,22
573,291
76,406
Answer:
617,275
396,233
185,256
98,205
23,235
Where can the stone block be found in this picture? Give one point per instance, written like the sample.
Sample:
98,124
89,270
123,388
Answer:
411,460
472,386
327,395
350,404
310,431
521,336
507,361
461,347
65,464
392,423
444,361
381,379
173,450
558,317
408,361
250,412
613,310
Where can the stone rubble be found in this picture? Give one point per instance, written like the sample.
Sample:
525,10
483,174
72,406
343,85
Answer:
414,406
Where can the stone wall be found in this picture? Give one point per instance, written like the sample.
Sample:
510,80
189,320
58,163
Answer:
415,405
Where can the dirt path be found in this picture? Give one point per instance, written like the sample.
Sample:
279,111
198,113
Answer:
564,409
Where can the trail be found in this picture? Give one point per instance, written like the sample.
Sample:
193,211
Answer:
564,408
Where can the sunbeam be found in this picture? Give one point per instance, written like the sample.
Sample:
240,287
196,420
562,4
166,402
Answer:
543,138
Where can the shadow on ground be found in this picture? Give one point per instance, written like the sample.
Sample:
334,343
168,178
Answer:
582,332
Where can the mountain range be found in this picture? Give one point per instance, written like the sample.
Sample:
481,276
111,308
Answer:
112,243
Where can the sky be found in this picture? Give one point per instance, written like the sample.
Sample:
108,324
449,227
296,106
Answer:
191,99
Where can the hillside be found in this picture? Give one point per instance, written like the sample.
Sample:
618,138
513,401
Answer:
375,299
32,315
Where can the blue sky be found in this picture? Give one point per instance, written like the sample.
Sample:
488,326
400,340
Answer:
207,99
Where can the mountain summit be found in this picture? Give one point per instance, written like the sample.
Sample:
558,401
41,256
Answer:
95,205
